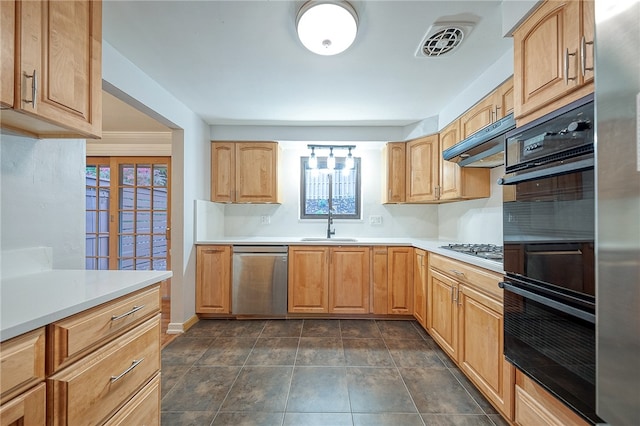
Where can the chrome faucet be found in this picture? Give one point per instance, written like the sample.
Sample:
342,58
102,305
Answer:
330,213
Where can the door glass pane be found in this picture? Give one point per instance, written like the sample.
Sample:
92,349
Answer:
143,222
126,246
160,176
143,199
144,175
127,197
125,264
127,222
160,199
127,175
159,222
143,246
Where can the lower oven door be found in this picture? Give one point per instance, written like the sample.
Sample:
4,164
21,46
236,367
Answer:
551,338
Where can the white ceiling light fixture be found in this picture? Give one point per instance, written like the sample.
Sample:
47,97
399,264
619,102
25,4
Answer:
327,27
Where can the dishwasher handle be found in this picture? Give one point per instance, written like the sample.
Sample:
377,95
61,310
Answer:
260,249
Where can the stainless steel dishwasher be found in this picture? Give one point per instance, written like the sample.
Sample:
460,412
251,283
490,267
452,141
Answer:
259,280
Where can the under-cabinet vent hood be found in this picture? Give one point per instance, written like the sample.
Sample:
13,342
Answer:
485,148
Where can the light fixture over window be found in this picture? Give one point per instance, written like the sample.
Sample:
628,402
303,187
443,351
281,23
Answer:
327,27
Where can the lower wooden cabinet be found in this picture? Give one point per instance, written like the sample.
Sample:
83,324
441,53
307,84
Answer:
104,366
392,281
420,266
534,406
329,279
465,317
27,409
213,279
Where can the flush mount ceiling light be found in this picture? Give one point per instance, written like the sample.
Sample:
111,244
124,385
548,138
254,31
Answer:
327,27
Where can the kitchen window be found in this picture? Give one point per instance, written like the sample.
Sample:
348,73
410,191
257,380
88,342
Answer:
345,189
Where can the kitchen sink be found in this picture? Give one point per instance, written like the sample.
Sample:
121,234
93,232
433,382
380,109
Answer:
335,239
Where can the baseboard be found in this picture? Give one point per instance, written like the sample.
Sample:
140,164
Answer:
181,327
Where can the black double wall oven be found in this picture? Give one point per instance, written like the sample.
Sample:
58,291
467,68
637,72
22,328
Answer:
549,284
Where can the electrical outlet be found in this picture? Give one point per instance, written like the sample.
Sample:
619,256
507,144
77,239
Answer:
265,220
375,220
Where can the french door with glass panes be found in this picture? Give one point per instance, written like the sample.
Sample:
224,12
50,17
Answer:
127,213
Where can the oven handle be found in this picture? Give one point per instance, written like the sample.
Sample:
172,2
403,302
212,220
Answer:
548,302
548,172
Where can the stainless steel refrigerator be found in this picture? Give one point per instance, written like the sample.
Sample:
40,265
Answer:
617,76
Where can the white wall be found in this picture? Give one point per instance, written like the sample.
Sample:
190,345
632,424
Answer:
474,221
43,197
190,168
397,220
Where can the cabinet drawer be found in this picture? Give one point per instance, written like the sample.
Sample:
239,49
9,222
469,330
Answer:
27,409
21,363
143,409
94,387
71,336
479,278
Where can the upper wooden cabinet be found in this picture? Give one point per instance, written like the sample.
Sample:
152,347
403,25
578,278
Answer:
394,162
460,183
422,169
244,172
553,57
51,68
490,109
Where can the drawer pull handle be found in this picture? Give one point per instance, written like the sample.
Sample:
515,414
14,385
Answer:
456,272
132,311
121,375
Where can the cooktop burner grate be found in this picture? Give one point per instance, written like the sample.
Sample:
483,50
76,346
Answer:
486,251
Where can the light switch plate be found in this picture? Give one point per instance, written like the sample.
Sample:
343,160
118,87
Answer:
375,220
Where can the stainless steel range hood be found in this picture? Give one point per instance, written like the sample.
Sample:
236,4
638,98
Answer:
485,148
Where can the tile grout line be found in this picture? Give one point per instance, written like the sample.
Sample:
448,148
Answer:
236,378
402,378
344,357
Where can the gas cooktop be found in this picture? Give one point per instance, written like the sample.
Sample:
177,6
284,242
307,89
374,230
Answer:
486,251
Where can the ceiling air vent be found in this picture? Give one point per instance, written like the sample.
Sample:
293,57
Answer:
443,38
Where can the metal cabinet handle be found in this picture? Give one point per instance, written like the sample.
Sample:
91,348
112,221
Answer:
566,66
456,272
583,56
34,89
135,363
126,314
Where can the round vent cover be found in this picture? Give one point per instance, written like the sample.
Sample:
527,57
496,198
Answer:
443,41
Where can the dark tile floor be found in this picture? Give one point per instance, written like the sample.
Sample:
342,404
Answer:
315,372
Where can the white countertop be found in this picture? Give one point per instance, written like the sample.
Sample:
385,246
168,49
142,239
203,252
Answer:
431,245
31,301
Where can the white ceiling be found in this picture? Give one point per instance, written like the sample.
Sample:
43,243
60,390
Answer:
240,62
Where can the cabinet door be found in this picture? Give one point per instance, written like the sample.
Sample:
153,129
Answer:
546,55
380,278
480,115
587,49
213,280
423,172
61,49
504,99
27,409
256,172
223,171
534,406
8,53
480,349
420,287
400,280
394,157
442,311
349,280
308,279
450,172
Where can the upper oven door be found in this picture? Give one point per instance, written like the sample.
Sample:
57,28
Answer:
548,227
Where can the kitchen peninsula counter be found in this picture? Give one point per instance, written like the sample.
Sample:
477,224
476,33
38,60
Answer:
35,300
430,245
